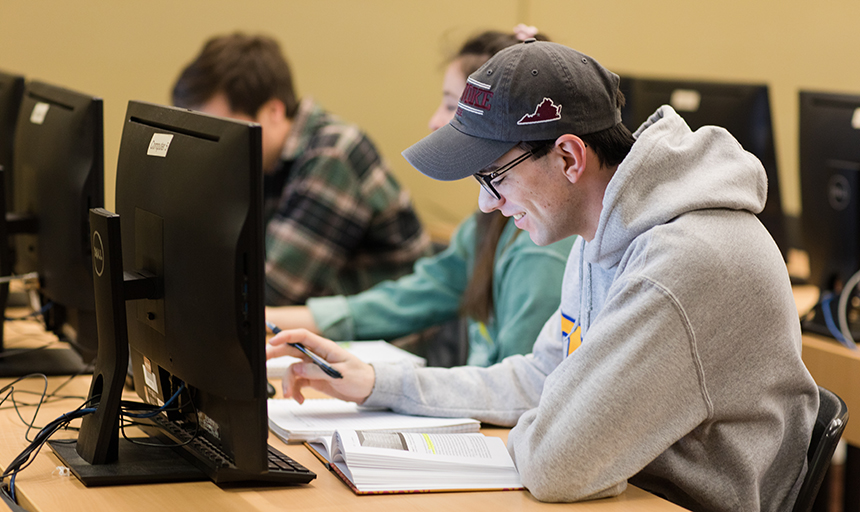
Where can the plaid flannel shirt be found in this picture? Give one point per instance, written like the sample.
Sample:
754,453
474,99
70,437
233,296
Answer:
336,220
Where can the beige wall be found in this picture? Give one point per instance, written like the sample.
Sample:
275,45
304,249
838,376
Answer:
378,62
788,44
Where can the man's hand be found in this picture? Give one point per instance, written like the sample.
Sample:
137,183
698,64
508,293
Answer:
358,376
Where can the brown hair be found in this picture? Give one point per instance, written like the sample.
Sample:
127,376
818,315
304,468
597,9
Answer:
610,145
249,70
477,300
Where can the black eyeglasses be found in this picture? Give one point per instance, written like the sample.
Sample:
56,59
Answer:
486,180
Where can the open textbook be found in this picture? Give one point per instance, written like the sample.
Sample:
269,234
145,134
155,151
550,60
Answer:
402,462
320,417
367,351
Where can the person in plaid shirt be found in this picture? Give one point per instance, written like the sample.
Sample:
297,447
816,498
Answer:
336,220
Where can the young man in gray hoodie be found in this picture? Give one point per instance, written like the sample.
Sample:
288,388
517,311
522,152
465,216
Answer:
674,359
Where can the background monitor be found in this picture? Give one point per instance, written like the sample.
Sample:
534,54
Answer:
59,175
189,200
11,90
830,184
742,109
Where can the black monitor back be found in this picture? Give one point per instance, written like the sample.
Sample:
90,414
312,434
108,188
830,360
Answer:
742,109
59,176
830,186
189,192
11,91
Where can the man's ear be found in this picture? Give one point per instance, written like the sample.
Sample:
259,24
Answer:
272,111
572,151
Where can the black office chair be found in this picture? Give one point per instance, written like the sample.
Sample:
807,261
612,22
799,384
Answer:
831,420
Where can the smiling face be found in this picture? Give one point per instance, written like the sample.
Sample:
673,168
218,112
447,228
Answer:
536,193
540,195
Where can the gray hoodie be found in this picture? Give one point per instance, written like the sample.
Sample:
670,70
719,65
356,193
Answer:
689,381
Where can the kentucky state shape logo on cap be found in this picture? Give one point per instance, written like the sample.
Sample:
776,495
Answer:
545,112
475,99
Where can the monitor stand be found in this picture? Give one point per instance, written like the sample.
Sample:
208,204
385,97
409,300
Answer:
814,321
17,362
48,361
136,464
100,456
25,361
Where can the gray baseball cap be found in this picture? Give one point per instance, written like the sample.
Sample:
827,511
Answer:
536,90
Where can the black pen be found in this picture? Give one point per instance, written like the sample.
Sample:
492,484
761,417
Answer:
331,372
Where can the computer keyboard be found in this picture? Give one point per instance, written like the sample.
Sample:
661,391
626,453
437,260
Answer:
282,469
278,462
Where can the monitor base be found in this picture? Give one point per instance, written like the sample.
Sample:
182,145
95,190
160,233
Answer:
814,322
136,464
49,361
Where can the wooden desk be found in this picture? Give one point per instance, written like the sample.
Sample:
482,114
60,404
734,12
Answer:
838,369
832,365
40,487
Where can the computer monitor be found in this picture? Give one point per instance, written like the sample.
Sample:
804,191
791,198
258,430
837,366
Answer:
830,185
59,175
11,90
742,109
189,203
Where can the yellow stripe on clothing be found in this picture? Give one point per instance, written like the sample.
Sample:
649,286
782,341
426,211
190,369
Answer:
571,333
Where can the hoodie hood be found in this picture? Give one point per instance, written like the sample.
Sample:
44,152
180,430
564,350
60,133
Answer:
672,170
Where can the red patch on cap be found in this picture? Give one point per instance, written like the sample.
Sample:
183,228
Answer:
545,112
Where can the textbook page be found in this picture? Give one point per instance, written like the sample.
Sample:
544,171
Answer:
367,351
373,462
294,422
